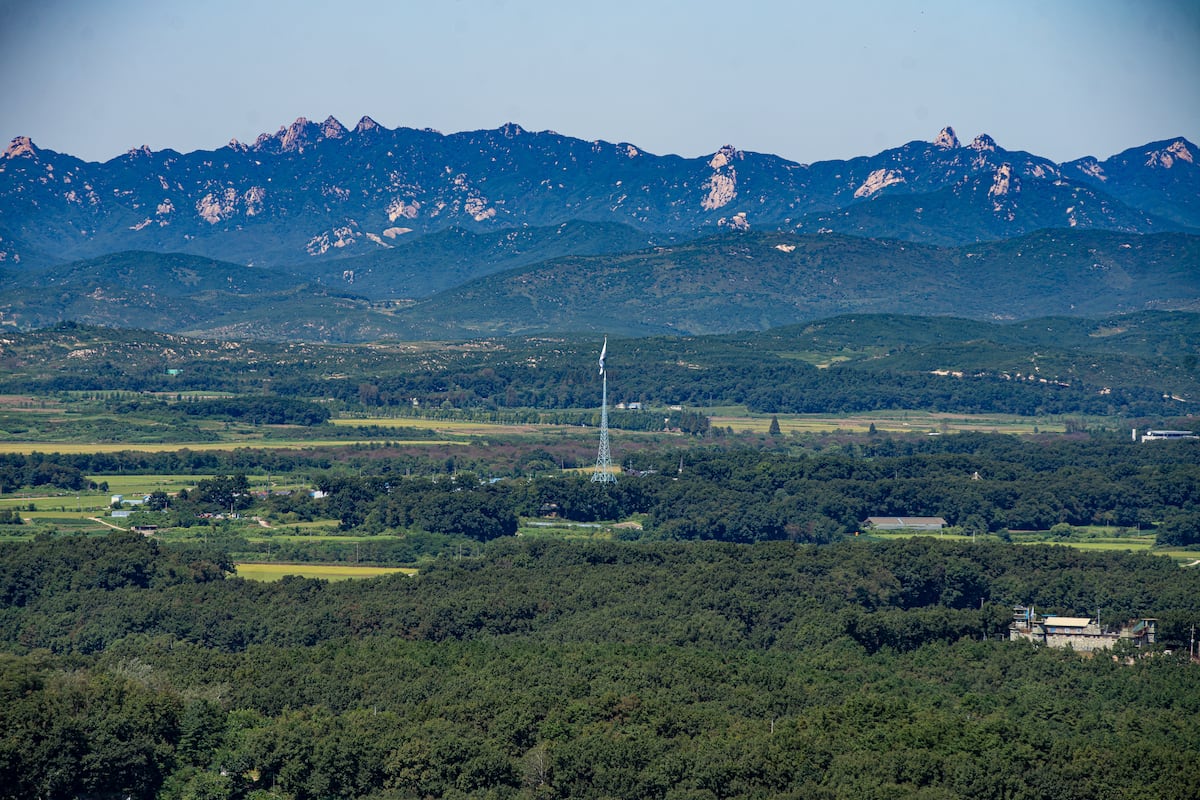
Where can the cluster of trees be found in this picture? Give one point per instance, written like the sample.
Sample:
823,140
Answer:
39,470
252,409
69,470
975,481
559,670
453,507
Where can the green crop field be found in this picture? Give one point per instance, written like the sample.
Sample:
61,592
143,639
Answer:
459,427
1143,543
274,572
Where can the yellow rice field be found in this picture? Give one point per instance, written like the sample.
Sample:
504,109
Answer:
329,572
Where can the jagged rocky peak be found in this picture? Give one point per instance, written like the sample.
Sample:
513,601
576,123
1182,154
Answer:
237,146
1180,148
1004,181
365,125
725,155
1166,158
983,142
144,150
20,146
301,133
511,130
293,137
1091,167
332,129
946,140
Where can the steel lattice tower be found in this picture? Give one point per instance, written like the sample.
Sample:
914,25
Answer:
604,468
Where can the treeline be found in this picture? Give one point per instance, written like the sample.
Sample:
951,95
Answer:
65,470
251,409
765,383
563,670
37,471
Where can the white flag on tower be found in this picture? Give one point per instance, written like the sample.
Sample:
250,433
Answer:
603,351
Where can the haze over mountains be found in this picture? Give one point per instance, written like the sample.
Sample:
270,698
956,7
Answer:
388,219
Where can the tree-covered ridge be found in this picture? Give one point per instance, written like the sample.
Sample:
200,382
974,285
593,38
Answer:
545,669
717,284
758,281
1134,365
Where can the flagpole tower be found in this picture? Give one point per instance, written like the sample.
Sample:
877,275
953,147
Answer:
604,468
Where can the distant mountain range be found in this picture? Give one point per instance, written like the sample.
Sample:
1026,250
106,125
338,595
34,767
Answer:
378,232
320,191
722,283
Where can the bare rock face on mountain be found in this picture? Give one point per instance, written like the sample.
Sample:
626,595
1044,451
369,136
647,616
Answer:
320,191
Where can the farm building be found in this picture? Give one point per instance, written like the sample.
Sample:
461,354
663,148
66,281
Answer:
905,523
1078,633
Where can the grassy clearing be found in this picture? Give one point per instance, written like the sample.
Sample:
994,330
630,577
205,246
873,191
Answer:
134,485
1140,543
145,484
459,427
25,448
58,507
36,524
1132,543
947,537
561,529
885,421
319,537
824,360
274,572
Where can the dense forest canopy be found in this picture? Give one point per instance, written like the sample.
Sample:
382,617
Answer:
549,669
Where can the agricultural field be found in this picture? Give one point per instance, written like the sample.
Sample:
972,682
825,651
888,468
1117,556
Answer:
1082,540
442,426
889,422
25,448
339,572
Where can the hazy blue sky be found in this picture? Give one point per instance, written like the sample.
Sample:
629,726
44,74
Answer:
806,80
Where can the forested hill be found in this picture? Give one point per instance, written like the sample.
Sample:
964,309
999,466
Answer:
757,281
458,286
1136,365
584,670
